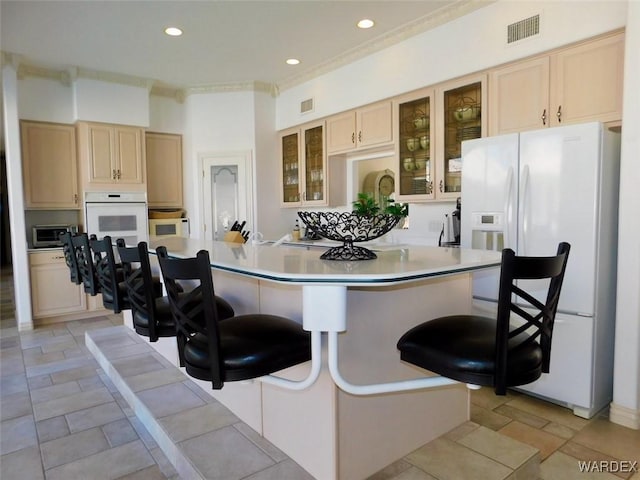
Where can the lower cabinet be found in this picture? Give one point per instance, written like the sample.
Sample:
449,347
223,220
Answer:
53,294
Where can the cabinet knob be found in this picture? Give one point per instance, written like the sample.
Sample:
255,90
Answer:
353,138
113,174
559,114
441,186
119,174
360,136
544,117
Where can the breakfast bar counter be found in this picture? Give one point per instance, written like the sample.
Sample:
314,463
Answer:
361,411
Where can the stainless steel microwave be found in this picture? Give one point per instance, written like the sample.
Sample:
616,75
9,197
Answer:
47,236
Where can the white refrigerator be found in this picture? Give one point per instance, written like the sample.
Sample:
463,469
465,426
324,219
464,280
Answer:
528,192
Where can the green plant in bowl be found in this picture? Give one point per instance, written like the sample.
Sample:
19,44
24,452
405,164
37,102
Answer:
366,205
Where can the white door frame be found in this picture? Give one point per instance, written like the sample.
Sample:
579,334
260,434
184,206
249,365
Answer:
243,161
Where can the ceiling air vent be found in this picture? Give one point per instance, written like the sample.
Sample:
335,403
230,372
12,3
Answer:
306,105
523,29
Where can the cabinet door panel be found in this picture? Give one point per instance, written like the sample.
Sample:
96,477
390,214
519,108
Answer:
520,97
164,170
49,163
51,291
587,82
129,161
101,165
375,126
341,133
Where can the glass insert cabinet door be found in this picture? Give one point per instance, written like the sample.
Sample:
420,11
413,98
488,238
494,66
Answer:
462,121
415,146
290,168
314,164
303,166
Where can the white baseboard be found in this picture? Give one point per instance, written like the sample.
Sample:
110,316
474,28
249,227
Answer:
627,417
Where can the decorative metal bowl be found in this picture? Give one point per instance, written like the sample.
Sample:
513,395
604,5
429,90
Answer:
349,228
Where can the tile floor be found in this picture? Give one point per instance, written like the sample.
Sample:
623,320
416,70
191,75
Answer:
62,417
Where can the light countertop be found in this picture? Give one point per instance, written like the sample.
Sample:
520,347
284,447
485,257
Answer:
300,264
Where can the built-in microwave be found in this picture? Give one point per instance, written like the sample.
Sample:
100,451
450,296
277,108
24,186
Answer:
47,236
169,227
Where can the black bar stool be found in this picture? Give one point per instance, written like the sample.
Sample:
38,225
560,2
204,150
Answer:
109,274
86,266
151,312
238,348
512,350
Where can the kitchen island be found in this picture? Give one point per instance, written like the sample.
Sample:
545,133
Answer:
364,307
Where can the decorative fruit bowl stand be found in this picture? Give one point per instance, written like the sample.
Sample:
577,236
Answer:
349,228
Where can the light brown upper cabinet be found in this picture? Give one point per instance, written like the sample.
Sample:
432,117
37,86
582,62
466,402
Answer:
306,177
415,146
461,114
576,84
111,156
164,169
366,127
49,165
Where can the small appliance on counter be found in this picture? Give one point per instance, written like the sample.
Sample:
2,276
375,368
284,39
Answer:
48,236
450,234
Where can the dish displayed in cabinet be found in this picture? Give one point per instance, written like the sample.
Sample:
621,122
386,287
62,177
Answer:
414,145
462,121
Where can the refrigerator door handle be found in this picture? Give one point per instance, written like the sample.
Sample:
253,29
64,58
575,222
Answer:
508,208
524,189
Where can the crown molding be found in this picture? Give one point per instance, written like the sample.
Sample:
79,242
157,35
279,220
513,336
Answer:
254,86
420,25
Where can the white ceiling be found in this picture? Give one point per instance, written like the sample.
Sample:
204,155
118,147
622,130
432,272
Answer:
224,41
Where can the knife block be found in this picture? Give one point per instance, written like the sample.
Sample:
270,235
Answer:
233,237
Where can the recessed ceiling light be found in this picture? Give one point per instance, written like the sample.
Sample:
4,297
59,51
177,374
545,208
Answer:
173,31
293,61
366,23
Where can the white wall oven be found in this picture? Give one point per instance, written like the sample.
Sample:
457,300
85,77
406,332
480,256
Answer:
117,214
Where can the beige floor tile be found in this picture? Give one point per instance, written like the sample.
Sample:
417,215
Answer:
108,464
614,440
488,418
559,430
17,433
52,392
137,364
391,471
501,448
560,466
545,442
521,416
485,397
581,452
83,371
71,403
287,469
94,416
73,447
155,399
197,421
465,429
21,465
158,378
149,473
551,412
448,460
216,455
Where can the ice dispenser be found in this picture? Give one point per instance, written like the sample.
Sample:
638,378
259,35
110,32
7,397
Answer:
488,230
